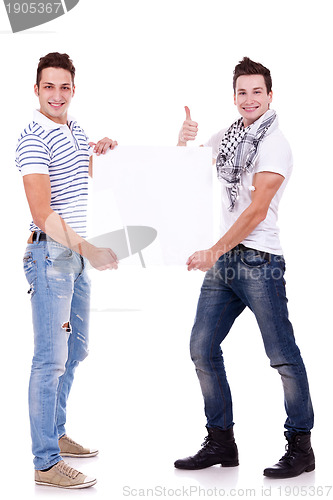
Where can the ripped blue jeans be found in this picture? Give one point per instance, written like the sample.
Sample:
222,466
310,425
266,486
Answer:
60,299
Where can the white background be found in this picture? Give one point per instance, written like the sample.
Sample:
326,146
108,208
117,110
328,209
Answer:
136,397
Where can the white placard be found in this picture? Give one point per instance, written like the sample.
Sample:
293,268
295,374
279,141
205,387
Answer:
159,199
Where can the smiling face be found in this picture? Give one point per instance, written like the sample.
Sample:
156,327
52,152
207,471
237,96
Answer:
251,97
55,92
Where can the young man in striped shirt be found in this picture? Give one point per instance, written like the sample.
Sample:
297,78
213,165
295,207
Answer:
55,159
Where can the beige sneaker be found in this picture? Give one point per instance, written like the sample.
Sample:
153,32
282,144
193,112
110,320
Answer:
61,475
69,448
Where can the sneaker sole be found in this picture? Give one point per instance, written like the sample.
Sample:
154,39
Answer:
79,455
73,487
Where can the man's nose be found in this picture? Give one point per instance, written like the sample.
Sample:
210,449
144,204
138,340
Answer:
57,95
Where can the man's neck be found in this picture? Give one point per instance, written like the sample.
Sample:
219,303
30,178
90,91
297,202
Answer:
59,121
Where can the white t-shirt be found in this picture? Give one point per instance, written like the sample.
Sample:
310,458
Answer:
274,155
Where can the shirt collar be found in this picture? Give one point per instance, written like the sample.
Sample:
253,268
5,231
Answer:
48,124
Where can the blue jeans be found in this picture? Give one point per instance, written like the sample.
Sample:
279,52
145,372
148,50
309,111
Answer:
60,296
243,278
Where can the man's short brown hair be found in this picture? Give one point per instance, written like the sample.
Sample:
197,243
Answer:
55,60
248,67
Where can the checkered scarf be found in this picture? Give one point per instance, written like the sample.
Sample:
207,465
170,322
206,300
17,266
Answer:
238,151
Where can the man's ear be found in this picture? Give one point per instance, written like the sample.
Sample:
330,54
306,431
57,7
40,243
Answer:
36,89
73,91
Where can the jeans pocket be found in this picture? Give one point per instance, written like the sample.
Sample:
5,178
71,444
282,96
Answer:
57,252
30,271
61,259
254,258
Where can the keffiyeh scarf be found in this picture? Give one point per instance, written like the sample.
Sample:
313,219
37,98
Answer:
238,151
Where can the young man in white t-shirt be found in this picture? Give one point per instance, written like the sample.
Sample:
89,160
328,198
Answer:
54,158
245,268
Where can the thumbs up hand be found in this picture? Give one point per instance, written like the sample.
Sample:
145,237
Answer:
189,129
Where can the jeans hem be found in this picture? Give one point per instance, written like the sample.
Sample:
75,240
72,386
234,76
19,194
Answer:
220,428
50,464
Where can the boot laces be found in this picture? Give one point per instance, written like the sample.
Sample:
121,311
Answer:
205,444
67,470
288,456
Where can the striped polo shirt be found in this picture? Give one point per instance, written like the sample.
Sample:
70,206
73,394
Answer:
62,152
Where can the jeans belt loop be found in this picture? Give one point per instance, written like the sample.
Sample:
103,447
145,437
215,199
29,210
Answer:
38,236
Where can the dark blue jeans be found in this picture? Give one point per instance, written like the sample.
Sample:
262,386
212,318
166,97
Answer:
243,278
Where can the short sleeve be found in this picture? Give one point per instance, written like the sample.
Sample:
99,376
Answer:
32,155
275,156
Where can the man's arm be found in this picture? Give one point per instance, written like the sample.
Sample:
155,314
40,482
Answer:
38,192
189,131
266,184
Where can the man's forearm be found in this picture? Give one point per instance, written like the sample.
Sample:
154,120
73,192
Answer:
56,228
244,225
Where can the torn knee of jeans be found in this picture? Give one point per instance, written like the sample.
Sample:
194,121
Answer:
31,290
67,327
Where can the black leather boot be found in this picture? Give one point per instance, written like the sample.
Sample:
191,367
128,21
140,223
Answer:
219,447
298,459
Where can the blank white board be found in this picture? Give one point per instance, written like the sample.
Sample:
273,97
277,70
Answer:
167,189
